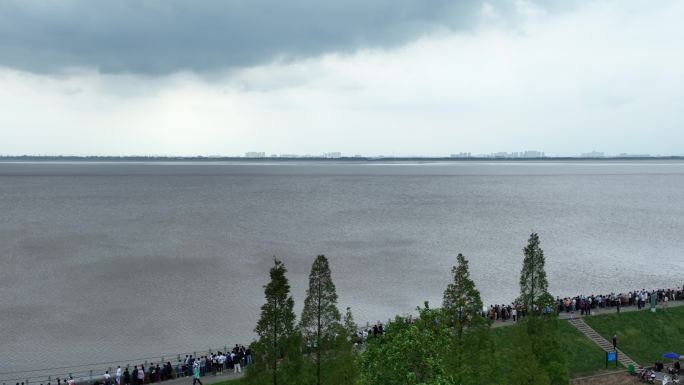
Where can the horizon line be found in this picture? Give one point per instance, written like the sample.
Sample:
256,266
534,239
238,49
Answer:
324,158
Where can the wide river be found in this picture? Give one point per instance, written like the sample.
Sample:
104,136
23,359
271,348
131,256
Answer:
111,261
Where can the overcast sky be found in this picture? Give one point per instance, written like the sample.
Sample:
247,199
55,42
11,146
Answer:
402,77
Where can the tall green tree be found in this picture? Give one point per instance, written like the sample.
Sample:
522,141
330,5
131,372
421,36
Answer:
542,333
320,321
534,287
350,327
342,369
472,357
462,301
276,327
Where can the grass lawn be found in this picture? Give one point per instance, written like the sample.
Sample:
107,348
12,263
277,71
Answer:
644,336
584,357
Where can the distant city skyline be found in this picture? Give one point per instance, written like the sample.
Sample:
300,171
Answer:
404,78
528,154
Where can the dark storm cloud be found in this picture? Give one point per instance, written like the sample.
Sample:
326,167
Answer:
157,37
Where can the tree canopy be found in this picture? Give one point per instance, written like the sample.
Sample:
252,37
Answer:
542,335
276,326
320,321
534,293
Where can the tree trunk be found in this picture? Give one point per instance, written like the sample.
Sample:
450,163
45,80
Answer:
275,346
318,337
532,289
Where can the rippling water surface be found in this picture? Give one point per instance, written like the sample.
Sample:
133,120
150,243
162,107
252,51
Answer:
107,261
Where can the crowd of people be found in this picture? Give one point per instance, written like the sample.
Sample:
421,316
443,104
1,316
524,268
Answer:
195,367
215,363
586,304
582,304
637,298
376,330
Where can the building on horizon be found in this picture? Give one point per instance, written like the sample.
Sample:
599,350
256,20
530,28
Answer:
460,155
506,155
333,155
255,154
533,154
593,154
626,155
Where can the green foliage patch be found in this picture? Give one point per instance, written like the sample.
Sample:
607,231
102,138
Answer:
642,335
584,357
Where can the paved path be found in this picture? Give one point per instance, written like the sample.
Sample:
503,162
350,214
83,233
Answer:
206,380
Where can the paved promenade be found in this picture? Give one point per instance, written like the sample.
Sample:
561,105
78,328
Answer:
86,380
206,380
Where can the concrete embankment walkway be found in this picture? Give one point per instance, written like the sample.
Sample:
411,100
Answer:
206,380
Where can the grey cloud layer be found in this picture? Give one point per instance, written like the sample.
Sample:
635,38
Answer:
158,37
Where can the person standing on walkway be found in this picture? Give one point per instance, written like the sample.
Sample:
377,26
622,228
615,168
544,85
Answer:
589,303
248,356
141,375
117,376
614,341
190,365
238,365
196,373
